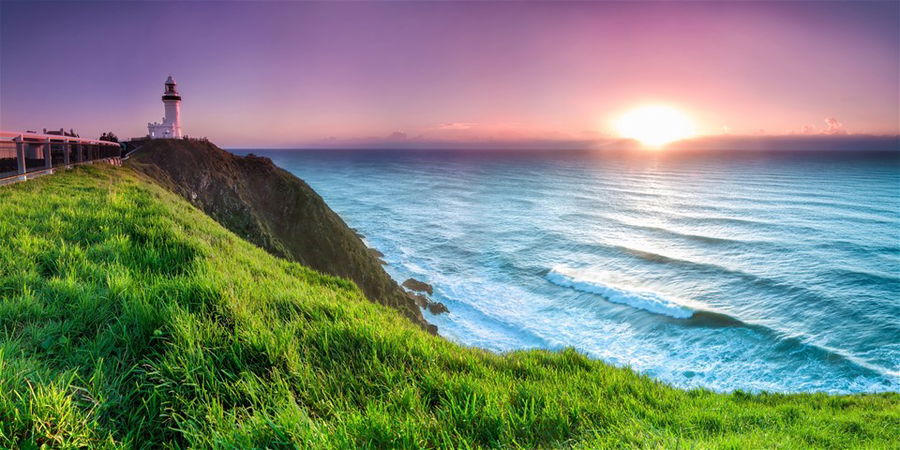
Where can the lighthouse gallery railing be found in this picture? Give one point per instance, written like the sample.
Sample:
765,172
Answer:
24,155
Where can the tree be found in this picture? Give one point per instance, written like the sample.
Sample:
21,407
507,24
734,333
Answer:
109,136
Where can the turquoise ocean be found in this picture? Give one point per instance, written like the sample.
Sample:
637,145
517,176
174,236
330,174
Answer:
751,271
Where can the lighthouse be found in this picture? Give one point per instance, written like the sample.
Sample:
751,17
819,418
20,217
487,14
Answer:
171,123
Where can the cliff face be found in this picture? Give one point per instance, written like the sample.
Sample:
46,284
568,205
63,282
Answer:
273,209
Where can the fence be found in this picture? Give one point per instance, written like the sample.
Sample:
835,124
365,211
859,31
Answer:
27,155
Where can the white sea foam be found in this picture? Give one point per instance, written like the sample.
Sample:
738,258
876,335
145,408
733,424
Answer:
646,300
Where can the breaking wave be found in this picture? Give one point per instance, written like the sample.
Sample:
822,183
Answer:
645,300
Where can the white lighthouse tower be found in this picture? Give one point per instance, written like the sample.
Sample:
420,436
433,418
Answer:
171,123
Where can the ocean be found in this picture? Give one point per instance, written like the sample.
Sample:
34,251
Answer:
727,271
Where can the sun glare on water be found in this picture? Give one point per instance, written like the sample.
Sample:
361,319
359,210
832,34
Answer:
655,125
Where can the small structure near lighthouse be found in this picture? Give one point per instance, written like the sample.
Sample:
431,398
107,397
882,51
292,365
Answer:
171,124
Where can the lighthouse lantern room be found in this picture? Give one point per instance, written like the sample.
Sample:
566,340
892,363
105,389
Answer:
171,123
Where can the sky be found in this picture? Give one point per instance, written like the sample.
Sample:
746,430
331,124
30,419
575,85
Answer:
288,74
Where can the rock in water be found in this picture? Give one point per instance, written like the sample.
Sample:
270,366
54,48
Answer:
426,303
421,300
416,285
437,308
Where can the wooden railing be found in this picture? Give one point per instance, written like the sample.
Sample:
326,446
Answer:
27,155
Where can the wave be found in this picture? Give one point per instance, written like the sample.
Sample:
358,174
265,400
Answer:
655,303
869,279
647,301
669,232
858,248
730,221
715,270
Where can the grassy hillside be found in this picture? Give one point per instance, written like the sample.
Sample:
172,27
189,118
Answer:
129,318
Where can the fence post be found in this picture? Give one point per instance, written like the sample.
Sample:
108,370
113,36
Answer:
20,154
67,148
48,163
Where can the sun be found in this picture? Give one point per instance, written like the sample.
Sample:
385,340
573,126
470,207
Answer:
655,125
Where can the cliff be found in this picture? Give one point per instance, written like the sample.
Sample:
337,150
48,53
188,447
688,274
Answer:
273,209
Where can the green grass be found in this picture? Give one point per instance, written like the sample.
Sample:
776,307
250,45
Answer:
129,318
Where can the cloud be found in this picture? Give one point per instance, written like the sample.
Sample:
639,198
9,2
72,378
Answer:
833,126
397,135
456,126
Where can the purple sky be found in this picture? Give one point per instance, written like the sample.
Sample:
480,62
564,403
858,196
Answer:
288,74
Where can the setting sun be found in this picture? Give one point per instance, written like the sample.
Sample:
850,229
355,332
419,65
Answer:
655,125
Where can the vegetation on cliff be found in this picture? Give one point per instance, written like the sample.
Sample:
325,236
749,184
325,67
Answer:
130,318
272,208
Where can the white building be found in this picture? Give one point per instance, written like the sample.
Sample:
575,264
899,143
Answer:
171,123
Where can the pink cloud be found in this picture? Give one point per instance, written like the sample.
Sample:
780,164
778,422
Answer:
456,126
833,126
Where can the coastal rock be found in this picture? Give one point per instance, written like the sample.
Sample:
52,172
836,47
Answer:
426,303
421,300
419,286
375,253
437,308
